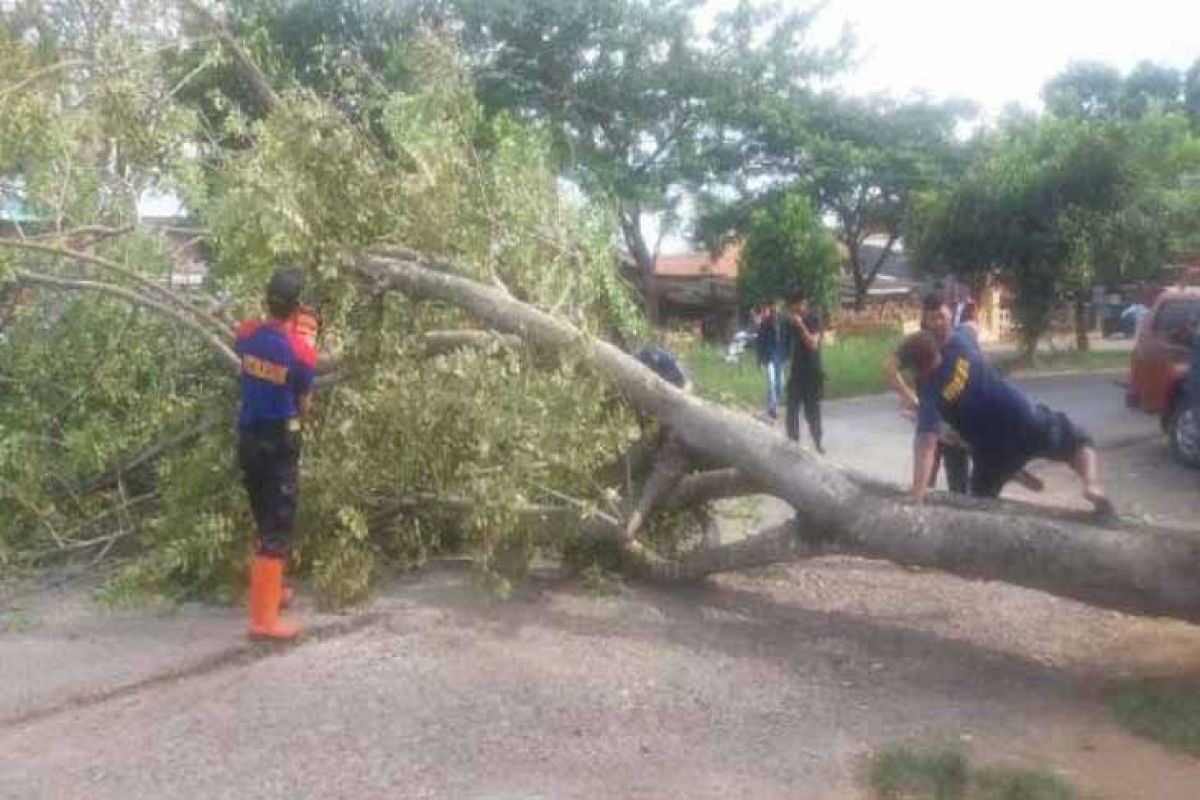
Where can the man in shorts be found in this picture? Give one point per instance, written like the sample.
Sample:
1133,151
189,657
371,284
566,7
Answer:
1002,427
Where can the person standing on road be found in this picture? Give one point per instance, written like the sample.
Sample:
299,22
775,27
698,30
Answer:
770,345
277,376
1001,426
806,378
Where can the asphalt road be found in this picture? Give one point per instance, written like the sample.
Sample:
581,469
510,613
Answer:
777,684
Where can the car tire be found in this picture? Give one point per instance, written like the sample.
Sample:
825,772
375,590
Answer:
1183,434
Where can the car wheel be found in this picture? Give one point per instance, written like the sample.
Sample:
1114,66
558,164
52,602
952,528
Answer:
1183,433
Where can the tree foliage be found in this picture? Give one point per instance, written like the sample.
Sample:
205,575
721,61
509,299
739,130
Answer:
861,161
1057,204
88,380
787,249
640,104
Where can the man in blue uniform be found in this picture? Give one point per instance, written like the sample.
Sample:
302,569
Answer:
1001,426
936,319
277,376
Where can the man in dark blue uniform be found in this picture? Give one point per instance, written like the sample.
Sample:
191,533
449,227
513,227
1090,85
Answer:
1001,426
936,319
277,375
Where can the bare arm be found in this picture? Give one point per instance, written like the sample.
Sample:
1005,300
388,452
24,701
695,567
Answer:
895,380
924,452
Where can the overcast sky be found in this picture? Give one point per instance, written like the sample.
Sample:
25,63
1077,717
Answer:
1002,51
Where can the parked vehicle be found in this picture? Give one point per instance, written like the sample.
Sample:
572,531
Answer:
1160,366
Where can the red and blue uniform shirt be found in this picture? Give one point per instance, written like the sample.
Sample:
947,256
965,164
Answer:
278,368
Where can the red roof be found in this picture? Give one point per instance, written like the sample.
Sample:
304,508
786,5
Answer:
698,265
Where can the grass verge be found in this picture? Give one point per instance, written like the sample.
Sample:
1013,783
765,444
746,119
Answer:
1064,360
1166,710
946,774
853,369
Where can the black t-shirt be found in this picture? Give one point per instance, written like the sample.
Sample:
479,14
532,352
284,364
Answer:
806,361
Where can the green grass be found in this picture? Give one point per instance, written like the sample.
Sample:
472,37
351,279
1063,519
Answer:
1065,360
945,774
1164,709
852,369
905,774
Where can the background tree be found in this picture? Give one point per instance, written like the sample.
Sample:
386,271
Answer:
1085,90
787,249
861,161
1055,205
641,105
1191,95
1148,87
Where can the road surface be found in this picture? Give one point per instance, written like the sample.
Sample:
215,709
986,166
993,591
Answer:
777,684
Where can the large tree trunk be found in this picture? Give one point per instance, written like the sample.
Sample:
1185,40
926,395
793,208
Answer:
639,251
858,274
1147,571
1082,344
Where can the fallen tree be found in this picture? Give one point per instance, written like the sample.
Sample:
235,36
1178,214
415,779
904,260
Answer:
438,415
1135,569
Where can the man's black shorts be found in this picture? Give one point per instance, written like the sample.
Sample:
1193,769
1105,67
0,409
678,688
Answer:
1051,435
269,455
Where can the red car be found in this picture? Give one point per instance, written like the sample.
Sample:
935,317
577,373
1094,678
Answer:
1159,370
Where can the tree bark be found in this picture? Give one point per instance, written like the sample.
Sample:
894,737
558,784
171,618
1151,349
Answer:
1082,343
639,251
1139,570
856,273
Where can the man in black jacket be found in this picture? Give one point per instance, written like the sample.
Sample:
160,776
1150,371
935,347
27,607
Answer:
806,379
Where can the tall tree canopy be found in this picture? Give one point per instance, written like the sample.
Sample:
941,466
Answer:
641,104
861,161
1056,204
787,249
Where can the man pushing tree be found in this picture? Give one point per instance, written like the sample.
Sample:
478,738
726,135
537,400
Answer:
1003,428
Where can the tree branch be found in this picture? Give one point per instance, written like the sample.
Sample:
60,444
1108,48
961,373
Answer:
887,251
215,343
111,266
705,487
256,77
41,74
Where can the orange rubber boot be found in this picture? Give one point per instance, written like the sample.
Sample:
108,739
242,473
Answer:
266,590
